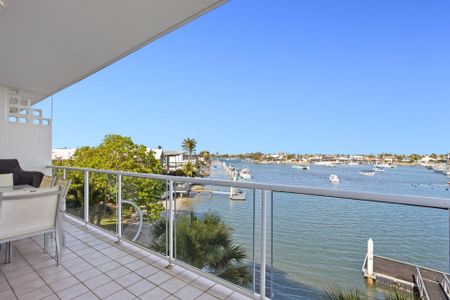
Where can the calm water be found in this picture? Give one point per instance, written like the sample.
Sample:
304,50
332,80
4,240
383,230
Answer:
321,242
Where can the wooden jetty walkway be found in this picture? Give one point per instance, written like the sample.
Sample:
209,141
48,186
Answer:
430,284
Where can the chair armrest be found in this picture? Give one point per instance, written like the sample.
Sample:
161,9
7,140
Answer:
32,178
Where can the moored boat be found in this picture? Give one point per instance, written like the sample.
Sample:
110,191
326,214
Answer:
245,174
237,194
378,169
367,172
301,167
334,178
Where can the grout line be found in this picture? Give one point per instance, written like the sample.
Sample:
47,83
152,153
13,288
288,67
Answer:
35,271
7,281
76,234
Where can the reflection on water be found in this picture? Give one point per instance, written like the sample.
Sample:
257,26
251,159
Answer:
321,242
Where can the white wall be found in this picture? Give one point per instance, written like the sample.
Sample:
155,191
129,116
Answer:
31,144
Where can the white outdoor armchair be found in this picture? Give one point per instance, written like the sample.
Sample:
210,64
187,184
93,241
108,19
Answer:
6,180
29,213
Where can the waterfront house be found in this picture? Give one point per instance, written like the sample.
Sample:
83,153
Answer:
173,159
158,154
426,160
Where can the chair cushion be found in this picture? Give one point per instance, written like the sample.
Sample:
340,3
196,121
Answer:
20,176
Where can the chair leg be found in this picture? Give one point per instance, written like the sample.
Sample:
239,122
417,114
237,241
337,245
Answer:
58,247
45,242
8,253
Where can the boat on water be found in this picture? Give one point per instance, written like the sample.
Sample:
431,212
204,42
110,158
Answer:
245,174
237,194
367,172
334,178
378,169
326,164
300,167
385,166
352,164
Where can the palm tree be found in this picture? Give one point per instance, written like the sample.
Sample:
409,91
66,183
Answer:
189,169
205,242
189,146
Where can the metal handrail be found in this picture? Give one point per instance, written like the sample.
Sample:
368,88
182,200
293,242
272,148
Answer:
431,202
139,211
363,268
445,284
427,202
421,286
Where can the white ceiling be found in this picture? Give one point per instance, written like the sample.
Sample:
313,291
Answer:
47,45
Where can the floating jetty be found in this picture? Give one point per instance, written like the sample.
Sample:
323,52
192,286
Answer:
429,284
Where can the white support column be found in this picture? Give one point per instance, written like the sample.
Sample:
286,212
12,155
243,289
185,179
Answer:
171,216
262,280
370,258
86,197
119,207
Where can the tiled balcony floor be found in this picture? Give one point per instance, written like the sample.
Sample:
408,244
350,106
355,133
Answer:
94,267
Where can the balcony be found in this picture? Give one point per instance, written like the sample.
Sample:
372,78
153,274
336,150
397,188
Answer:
106,228
95,267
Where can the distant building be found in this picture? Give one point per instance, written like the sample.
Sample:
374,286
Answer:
157,153
173,159
315,158
63,154
427,160
357,157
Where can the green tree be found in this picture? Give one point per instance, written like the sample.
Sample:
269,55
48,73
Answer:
189,169
206,156
206,243
116,153
415,157
189,145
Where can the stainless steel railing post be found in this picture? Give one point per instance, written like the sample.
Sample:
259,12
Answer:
171,216
119,207
86,197
64,177
262,279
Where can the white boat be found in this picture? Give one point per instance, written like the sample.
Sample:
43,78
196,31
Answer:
326,164
245,174
367,172
301,167
352,164
386,166
377,169
334,178
237,194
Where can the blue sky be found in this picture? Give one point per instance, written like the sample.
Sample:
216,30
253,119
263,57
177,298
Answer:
298,76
